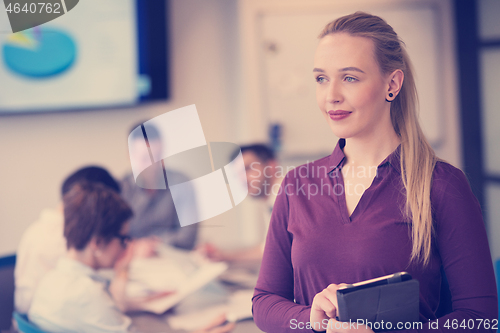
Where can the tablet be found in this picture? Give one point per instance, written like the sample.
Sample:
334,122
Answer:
387,279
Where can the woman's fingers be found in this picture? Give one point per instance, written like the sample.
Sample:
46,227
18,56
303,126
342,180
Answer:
324,304
329,302
324,307
332,294
335,326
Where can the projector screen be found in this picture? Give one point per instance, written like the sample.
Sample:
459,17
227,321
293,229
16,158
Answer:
98,55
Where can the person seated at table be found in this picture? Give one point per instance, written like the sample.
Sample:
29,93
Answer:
155,216
263,177
43,243
73,297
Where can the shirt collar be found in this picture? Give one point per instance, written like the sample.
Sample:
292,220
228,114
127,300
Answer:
337,158
394,159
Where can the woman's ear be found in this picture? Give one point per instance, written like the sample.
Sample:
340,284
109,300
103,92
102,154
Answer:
396,79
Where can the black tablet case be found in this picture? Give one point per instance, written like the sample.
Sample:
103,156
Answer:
393,302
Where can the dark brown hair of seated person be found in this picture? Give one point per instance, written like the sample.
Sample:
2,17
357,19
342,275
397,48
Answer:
93,210
91,173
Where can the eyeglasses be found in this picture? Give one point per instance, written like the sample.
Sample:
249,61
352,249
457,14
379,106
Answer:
124,239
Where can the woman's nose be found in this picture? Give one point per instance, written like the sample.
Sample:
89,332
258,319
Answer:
334,93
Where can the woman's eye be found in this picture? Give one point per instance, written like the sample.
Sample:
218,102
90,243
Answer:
320,79
350,79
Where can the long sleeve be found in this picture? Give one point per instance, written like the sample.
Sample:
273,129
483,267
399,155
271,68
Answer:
463,246
313,242
273,308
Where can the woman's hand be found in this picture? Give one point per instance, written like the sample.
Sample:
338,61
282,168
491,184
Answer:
324,306
335,326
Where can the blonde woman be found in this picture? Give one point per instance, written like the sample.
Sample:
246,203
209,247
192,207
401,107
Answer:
384,202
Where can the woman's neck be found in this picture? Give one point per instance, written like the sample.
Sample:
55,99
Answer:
370,150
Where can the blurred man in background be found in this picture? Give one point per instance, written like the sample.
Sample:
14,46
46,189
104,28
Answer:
155,216
264,178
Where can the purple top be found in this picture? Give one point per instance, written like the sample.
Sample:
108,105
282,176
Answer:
312,242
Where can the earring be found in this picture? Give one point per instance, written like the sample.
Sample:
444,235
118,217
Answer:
390,95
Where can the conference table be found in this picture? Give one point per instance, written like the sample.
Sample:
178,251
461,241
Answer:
151,323
238,277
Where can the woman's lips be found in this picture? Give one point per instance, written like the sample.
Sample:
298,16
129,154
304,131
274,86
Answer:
338,114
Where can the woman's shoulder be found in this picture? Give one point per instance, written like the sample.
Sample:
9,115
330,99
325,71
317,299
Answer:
446,173
448,179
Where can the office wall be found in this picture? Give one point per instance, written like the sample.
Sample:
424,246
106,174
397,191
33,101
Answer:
279,39
37,151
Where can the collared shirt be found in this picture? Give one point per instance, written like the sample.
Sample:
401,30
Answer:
73,298
313,242
41,246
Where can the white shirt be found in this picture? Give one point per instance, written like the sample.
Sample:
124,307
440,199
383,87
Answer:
40,248
73,298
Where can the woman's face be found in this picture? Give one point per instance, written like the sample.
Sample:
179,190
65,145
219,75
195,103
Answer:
350,89
111,252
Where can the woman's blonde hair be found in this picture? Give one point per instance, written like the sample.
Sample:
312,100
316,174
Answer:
417,156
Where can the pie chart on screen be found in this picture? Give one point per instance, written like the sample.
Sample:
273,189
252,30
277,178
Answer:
39,52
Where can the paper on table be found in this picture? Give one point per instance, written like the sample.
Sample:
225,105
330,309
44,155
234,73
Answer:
151,275
183,272
203,275
238,307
